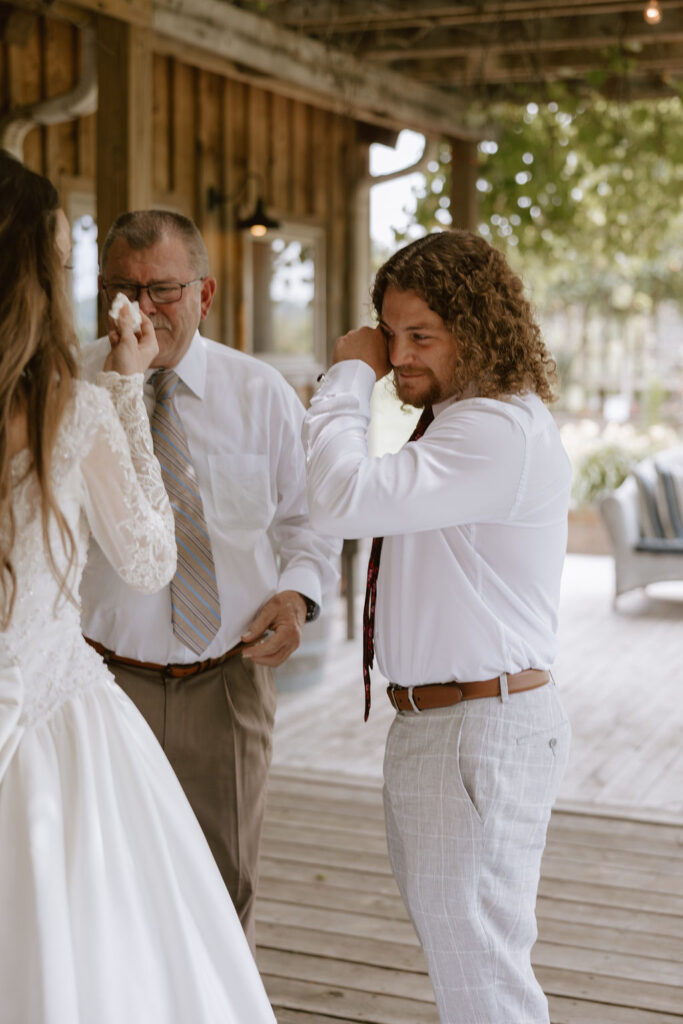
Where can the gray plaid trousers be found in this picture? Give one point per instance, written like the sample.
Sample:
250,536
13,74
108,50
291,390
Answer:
467,797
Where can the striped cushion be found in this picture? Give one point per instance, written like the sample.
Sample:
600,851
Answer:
649,517
660,545
669,494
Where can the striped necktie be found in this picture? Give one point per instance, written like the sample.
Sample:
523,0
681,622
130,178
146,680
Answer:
371,586
195,606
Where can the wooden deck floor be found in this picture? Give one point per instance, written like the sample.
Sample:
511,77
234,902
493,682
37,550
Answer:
620,676
335,945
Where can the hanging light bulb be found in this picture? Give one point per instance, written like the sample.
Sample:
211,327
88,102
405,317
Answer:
259,222
652,12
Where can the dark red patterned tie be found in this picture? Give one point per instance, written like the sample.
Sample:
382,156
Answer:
371,585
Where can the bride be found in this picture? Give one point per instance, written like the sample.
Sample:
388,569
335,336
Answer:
111,906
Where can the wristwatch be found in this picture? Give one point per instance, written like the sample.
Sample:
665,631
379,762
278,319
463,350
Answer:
312,609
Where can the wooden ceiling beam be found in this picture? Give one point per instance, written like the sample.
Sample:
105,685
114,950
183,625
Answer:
340,17
365,92
561,33
217,65
416,54
650,87
394,88
282,60
132,12
491,74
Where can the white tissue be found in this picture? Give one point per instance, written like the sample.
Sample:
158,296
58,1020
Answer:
119,303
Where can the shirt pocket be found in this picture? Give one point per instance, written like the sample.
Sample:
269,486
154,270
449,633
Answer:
240,486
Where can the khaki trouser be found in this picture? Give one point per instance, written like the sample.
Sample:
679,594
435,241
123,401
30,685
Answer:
216,730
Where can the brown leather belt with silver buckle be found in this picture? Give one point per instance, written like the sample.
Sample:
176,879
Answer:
177,671
442,695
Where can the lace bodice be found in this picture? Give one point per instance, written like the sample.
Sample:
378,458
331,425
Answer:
106,480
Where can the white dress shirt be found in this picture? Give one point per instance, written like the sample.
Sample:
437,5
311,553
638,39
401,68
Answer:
243,426
474,517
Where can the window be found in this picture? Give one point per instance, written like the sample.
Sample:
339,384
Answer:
79,205
84,259
285,300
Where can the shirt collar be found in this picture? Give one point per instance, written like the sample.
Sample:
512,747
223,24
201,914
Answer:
469,392
192,367
440,406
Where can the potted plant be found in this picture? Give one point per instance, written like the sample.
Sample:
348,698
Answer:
601,458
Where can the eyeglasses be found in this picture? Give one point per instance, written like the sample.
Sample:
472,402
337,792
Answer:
159,294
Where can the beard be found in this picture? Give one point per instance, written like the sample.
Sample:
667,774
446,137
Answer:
431,390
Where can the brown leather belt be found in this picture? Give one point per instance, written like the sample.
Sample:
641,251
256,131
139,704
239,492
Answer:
177,671
442,695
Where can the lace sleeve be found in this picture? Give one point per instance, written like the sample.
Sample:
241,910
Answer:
125,500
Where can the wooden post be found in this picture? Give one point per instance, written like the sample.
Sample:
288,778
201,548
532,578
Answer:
464,170
124,121
359,234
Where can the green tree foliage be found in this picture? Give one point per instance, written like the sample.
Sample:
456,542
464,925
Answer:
584,195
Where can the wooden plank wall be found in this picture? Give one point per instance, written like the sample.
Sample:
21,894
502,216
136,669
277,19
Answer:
208,130
45,65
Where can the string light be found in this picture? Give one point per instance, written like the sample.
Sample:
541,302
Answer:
652,12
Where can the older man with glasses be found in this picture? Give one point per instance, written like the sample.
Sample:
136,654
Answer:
197,658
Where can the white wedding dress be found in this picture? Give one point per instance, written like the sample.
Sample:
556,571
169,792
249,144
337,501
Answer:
112,910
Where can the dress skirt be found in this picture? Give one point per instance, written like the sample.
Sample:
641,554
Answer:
111,906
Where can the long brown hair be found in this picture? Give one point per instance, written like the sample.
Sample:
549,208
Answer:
471,286
37,354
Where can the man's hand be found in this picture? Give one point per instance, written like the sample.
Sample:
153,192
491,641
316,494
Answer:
285,615
368,344
131,353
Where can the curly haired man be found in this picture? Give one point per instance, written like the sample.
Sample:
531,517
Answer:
462,608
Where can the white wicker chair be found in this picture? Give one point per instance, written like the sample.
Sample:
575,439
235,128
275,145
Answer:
638,560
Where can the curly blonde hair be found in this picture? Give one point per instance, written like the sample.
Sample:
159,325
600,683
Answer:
471,286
